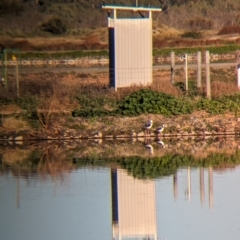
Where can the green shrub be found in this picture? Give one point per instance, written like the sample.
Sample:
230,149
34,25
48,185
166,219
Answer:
53,25
29,104
92,106
192,34
220,105
148,101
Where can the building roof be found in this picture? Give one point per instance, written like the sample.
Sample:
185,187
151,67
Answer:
131,8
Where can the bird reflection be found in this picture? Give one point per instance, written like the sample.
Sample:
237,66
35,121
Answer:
149,148
160,143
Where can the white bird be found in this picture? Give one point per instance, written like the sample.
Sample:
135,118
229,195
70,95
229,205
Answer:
160,129
148,126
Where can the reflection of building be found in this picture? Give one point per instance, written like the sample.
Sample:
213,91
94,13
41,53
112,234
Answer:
133,207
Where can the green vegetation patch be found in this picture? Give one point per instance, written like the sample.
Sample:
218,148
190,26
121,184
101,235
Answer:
141,102
226,49
148,101
220,105
192,34
64,55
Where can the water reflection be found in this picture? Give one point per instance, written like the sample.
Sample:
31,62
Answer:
133,207
201,185
51,194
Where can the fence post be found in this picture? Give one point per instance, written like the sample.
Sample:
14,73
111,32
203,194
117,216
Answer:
17,79
199,70
186,71
172,66
238,74
208,85
5,67
238,68
15,59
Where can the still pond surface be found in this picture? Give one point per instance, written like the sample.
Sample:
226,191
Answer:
109,203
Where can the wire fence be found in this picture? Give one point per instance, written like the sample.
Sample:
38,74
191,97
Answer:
19,77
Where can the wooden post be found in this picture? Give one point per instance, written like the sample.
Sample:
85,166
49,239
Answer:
186,71
14,58
199,70
17,80
5,68
172,66
238,68
208,85
238,75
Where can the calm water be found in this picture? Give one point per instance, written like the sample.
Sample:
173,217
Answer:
108,203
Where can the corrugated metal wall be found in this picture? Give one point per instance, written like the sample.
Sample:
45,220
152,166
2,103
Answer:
133,52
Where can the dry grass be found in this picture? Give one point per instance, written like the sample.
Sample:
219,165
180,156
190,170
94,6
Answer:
219,88
161,32
65,85
14,124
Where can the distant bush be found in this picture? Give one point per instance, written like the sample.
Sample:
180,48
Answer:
54,25
192,34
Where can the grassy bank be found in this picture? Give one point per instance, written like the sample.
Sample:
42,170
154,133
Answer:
53,100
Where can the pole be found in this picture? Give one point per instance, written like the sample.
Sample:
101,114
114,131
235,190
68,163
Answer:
208,86
238,68
17,80
14,58
199,70
172,66
186,71
5,67
238,74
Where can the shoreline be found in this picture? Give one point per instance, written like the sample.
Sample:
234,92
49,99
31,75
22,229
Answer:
198,124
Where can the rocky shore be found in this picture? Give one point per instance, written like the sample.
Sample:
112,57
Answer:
191,126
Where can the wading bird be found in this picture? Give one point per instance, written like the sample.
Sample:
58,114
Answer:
160,129
148,125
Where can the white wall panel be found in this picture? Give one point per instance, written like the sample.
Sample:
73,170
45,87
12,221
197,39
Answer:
133,52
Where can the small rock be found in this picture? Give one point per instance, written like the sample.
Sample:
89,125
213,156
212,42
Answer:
18,138
141,134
